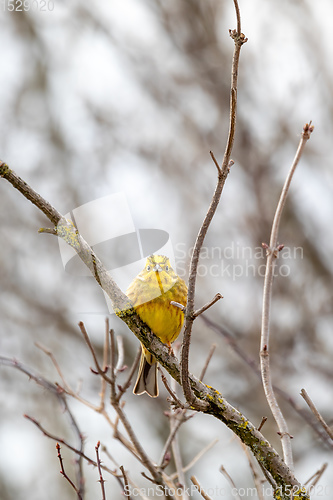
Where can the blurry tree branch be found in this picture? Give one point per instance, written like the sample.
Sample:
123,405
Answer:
316,413
61,396
252,363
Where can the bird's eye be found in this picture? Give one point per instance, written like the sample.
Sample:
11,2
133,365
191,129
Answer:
167,268
148,268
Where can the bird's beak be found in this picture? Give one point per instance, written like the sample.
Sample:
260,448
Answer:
157,268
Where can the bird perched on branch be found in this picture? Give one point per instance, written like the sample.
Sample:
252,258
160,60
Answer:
151,293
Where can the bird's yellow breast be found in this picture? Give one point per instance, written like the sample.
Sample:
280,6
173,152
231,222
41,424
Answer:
164,319
151,293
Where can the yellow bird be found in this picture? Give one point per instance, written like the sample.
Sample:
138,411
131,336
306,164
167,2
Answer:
151,293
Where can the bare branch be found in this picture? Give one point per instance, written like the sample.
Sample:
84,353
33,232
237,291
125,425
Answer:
122,389
212,400
209,304
177,419
50,354
215,162
316,476
100,371
157,476
126,490
177,401
112,368
252,363
231,481
223,171
209,357
200,490
51,213
70,447
316,413
121,354
48,230
101,479
219,407
61,396
177,304
238,17
106,349
197,457
66,230
62,471
262,423
267,294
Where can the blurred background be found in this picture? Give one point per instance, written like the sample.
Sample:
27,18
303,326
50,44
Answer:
128,97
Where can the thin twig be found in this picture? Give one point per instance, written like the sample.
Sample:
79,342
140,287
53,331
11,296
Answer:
101,479
51,213
62,471
70,447
231,481
100,371
112,368
238,17
179,420
215,162
145,460
50,354
177,304
123,388
262,423
121,354
176,400
196,458
106,349
209,357
61,396
126,488
209,304
316,413
231,340
48,230
223,171
98,409
316,476
178,417
267,294
200,490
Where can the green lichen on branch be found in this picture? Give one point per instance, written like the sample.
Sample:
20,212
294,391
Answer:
217,405
288,492
69,233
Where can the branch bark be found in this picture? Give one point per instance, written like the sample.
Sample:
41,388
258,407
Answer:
239,40
272,253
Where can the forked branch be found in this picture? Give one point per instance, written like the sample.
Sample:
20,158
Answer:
272,252
223,170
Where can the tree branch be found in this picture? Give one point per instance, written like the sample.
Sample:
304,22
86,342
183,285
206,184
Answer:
62,471
214,403
316,413
272,252
239,40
